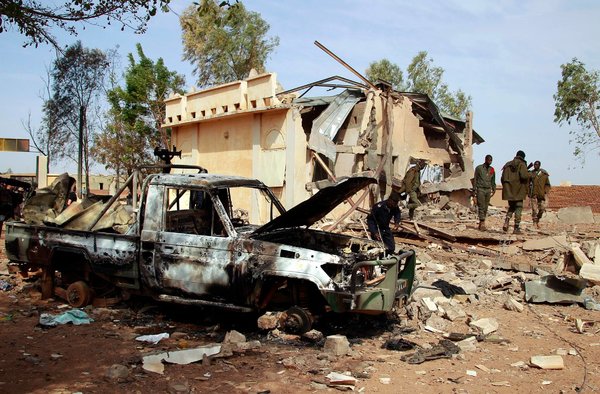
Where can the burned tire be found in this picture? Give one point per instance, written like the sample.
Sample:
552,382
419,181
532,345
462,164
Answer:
79,294
296,320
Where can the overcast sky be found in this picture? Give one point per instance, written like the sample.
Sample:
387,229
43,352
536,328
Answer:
505,54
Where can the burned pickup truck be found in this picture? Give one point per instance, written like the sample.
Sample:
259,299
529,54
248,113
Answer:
188,241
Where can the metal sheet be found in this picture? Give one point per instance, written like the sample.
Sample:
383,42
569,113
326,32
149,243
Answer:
326,125
315,208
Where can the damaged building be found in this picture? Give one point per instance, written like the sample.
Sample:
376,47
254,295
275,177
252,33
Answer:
295,143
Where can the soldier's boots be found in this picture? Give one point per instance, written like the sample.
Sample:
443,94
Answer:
411,214
505,225
517,230
536,222
482,225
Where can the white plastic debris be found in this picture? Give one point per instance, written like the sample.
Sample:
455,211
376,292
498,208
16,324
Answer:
154,339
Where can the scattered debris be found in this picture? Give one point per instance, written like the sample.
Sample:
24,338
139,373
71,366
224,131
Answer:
154,339
234,336
117,372
576,215
153,363
444,349
590,272
337,345
268,321
75,316
554,290
340,379
552,242
5,286
485,326
313,336
399,344
548,362
513,305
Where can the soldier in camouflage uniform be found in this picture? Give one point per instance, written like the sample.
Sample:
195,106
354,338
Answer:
484,186
515,181
539,186
410,186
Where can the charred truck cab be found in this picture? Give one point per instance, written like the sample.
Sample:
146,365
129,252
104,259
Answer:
190,243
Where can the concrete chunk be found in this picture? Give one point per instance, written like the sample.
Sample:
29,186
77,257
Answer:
485,326
559,241
468,286
429,304
548,362
435,267
513,305
422,292
575,215
453,313
268,321
590,272
580,257
337,345
467,345
234,336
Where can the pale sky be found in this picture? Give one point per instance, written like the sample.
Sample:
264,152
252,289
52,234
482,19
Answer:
505,54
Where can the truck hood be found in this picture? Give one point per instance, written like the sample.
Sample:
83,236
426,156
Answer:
315,208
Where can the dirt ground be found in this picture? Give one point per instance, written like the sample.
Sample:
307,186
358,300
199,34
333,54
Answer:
70,358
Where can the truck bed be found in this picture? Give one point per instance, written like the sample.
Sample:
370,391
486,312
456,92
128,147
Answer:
108,255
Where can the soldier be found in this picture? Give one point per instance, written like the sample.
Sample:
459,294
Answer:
410,186
515,179
539,187
378,221
485,187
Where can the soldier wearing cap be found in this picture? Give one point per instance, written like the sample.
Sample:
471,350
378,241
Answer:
378,221
539,187
484,186
410,185
515,181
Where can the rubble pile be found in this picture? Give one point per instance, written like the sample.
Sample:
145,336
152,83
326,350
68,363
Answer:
478,297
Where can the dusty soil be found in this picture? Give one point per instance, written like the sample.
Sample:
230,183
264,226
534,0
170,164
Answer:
69,358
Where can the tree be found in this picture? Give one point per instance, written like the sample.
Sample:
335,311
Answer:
42,138
387,71
136,112
424,77
224,43
577,99
77,79
35,20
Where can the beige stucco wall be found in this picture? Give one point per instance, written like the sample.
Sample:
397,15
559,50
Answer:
223,147
269,146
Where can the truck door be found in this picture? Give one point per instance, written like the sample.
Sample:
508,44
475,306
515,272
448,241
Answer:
193,250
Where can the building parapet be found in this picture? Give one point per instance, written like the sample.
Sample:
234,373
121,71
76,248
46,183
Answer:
250,94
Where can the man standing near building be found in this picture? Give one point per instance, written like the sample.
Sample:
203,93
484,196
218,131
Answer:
539,187
410,186
378,221
515,180
485,187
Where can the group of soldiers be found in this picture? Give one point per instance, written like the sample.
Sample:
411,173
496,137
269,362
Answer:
518,182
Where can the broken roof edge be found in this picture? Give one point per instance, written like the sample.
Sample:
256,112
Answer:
324,82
